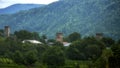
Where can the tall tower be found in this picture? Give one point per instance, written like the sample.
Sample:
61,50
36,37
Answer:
99,35
59,37
7,31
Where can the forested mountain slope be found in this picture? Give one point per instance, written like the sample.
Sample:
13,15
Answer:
84,16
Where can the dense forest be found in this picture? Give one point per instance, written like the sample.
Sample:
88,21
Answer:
87,52
84,16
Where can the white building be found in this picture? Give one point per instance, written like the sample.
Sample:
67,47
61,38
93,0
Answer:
32,41
66,44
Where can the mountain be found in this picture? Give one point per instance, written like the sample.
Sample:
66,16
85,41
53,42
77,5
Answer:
18,7
84,16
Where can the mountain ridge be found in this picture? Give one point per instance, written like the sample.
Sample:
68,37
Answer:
18,7
67,16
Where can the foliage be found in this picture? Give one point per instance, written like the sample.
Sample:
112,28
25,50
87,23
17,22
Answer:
103,60
18,57
87,48
74,36
118,42
108,41
6,61
116,50
24,34
41,49
31,57
43,39
1,32
54,56
73,53
115,59
100,63
92,51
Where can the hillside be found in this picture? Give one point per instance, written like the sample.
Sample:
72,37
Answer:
19,7
84,16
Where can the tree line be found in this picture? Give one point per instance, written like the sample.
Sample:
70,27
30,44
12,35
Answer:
102,53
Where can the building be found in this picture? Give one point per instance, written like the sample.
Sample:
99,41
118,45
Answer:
66,44
99,35
59,37
7,31
32,41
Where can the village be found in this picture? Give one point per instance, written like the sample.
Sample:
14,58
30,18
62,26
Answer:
59,37
27,48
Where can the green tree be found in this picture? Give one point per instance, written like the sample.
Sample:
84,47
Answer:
23,35
116,50
114,61
76,51
73,53
36,36
18,57
1,32
108,41
43,39
79,44
100,63
31,57
103,60
118,42
92,52
41,49
59,44
54,56
74,36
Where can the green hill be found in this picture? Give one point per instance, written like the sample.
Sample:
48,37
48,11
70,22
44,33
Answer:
84,16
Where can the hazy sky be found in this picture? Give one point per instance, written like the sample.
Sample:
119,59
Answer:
6,3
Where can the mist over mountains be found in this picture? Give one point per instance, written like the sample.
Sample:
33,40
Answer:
84,16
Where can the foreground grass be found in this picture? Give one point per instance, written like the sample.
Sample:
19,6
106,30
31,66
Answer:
11,66
68,64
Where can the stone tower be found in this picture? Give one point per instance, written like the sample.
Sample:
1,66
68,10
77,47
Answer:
7,31
59,37
99,35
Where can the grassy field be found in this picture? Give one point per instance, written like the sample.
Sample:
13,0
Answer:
68,64
12,66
